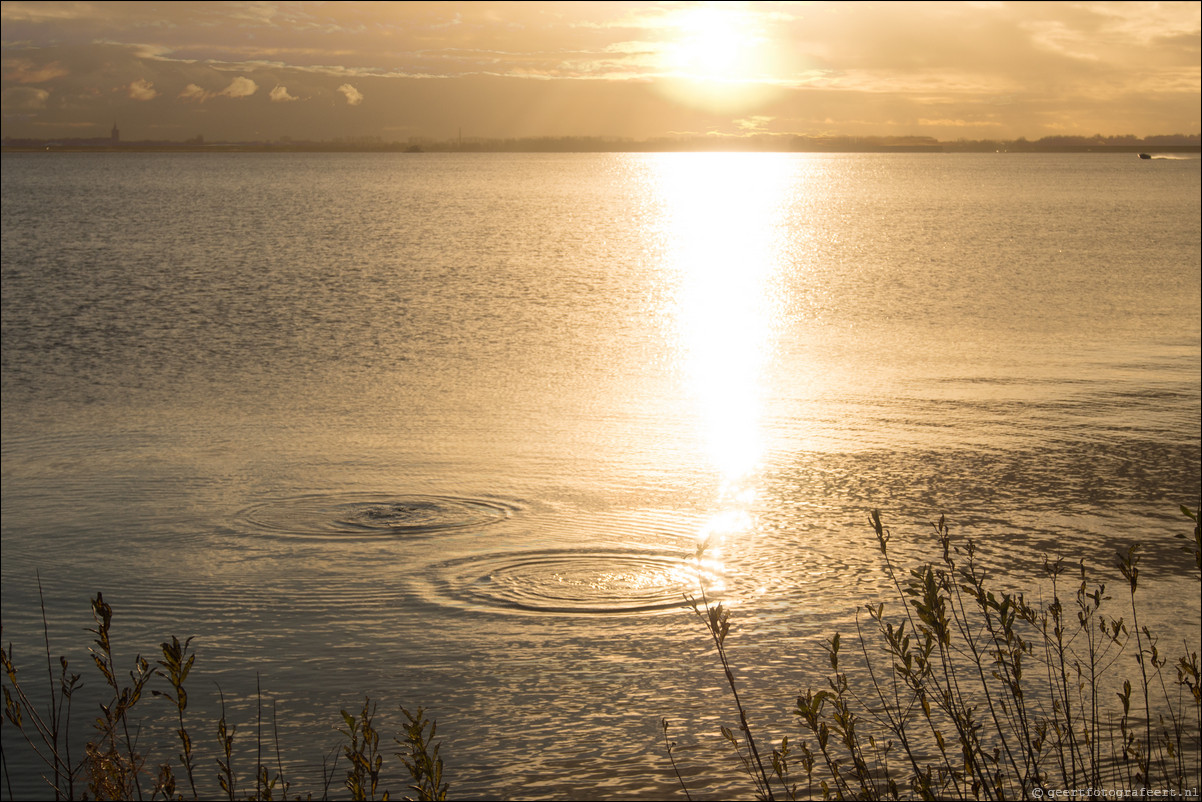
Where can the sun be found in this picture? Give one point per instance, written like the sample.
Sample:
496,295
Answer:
719,57
716,42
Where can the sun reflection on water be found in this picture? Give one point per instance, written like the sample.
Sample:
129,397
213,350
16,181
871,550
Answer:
722,217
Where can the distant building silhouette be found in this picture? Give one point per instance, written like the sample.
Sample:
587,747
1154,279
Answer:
115,136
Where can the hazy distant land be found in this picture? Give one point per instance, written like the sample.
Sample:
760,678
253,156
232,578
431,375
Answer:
1173,143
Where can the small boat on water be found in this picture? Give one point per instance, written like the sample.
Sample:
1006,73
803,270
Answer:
1145,155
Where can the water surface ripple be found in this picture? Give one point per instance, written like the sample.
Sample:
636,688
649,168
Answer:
367,515
574,581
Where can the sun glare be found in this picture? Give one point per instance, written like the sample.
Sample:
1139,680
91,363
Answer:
715,44
719,59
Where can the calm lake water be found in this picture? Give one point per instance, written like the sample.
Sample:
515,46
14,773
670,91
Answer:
447,429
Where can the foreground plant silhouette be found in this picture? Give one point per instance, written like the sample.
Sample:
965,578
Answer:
717,622
116,763
973,692
978,693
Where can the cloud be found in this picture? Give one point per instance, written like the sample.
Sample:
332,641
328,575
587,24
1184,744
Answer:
957,123
142,89
24,71
753,123
280,95
353,96
240,87
23,98
196,93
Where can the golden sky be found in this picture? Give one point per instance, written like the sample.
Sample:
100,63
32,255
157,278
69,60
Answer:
401,70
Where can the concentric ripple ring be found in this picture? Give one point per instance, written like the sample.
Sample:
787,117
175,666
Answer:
567,581
368,515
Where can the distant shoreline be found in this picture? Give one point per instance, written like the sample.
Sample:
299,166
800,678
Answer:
582,145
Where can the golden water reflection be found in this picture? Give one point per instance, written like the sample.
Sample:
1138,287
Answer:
722,227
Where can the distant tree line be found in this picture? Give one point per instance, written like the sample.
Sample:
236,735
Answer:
599,144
